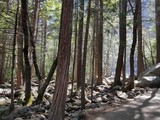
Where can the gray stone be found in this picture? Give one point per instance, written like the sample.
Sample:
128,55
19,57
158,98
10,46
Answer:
18,118
150,77
122,95
104,98
149,81
131,95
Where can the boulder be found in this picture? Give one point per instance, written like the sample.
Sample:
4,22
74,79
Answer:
153,71
122,95
150,77
149,81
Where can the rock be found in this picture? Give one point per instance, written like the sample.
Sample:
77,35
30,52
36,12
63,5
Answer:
98,99
153,71
116,99
122,95
77,102
18,118
149,81
131,95
119,88
104,98
4,100
18,93
41,117
5,85
75,114
38,109
48,96
150,77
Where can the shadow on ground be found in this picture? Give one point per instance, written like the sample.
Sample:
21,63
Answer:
145,108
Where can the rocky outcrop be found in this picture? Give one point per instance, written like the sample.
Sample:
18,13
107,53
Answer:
150,77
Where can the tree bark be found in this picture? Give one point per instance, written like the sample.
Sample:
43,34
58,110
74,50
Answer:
135,23
57,109
46,83
27,73
157,8
140,64
19,54
83,74
13,58
80,39
74,70
122,36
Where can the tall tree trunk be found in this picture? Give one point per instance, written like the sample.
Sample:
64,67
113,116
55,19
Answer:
80,39
83,74
32,31
57,109
97,38
2,57
122,36
74,70
100,44
44,50
140,64
19,54
135,21
157,8
27,73
93,57
13,58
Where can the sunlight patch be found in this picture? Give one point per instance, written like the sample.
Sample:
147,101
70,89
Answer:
150,78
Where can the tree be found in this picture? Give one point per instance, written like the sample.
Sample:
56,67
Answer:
80,39
59,97
19,53
122,38
46,83
32,31
83,74
27,75
157,8
99,41
134,42
140,64
13,58
74,69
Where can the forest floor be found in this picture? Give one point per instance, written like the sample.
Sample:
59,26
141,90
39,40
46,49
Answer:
147,107
104,99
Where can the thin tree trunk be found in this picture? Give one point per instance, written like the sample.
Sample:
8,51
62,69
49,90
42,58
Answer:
19,54
135,21
83,74
80,39
122,36
13,58
27,72
93,58
46,83
157,8
140,64
32,31
75,45
44,50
